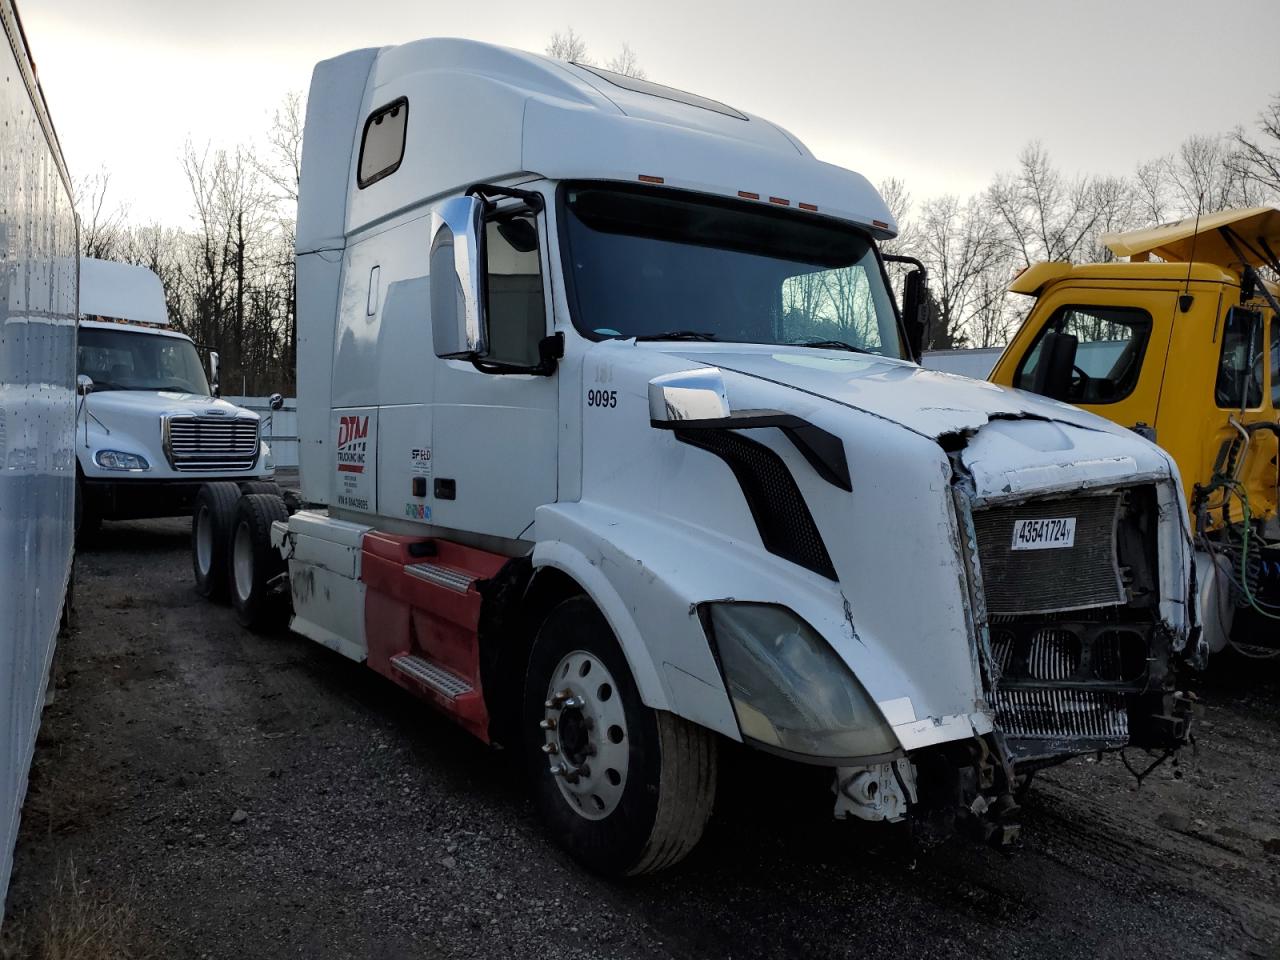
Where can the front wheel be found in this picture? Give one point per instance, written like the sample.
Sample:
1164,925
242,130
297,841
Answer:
625,789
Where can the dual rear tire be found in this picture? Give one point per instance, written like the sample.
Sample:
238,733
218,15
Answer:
231,553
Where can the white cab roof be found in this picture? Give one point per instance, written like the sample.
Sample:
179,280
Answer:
121,291
481,113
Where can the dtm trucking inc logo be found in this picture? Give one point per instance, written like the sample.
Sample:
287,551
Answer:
353,444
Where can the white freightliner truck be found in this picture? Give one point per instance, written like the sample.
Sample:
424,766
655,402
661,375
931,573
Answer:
151,427
613,449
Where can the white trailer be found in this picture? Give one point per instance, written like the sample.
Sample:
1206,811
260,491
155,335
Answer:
152,427
38,280
613,449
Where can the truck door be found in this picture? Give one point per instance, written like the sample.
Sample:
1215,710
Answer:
494,454
1121,338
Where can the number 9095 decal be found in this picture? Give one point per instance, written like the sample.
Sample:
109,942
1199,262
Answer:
602,398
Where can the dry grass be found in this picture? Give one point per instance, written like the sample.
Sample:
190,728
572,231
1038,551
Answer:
79,924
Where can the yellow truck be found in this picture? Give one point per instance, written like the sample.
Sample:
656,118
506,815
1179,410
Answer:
1184,349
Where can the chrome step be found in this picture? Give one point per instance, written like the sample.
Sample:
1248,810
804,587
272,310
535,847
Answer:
433,675
440,576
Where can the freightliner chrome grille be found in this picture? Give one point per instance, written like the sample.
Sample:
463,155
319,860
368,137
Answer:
1078,577
208,443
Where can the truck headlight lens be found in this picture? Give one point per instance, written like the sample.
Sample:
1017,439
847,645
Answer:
119,460
789,688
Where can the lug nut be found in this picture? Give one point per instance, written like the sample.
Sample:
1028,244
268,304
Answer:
557,770
548,724
573,703
550,748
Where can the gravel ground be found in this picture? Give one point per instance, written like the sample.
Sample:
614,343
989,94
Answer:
246,796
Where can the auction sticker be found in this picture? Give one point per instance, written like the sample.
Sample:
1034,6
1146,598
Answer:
1054,534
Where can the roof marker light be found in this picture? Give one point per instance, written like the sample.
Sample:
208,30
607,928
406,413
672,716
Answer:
646,178
780,202
748,195
812,207
880,223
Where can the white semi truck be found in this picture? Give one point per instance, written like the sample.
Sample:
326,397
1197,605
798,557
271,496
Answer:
151,427
38,283
613,449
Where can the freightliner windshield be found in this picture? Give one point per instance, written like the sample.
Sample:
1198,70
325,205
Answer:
660,263
122,360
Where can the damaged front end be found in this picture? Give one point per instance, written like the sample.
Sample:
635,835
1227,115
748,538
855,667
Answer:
1080,614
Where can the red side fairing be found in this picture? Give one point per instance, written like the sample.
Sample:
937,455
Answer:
421,620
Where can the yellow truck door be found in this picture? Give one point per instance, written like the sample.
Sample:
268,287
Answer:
1121,339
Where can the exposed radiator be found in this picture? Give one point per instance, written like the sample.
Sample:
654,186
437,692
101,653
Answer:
1080,576
1062,712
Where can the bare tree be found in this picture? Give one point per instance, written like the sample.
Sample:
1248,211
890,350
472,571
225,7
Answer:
568,46
626,64
967,258
282,165
102,223
1259,159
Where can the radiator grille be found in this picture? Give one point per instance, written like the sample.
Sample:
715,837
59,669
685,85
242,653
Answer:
204,443
1044,581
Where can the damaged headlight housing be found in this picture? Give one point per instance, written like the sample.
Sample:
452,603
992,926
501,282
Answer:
790,690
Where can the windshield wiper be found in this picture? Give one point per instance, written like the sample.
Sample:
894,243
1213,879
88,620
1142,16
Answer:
833,345
677,335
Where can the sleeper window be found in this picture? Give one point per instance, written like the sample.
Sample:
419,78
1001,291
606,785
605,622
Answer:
1240,363
382,146
1111,342
517,313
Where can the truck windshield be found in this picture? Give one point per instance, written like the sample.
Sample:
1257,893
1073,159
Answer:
661,264
124,360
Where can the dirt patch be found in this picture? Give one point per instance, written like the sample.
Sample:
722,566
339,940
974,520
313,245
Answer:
264,797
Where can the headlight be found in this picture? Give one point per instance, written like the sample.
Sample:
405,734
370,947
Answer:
119,460
790,690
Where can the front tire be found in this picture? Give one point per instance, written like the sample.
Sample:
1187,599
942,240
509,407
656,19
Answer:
625,789
255,565
211,520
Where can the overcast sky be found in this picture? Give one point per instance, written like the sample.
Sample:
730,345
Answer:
938,92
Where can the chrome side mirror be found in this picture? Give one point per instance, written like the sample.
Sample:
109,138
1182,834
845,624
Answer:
214,386
457,286
275,401
688,395
84,385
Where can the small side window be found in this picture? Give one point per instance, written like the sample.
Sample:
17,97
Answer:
1111,344
382,145
1239,383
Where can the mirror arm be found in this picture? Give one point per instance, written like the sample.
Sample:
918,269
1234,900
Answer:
550,351
487,191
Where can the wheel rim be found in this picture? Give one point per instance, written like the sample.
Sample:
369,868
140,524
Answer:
204,541
242,560
586,740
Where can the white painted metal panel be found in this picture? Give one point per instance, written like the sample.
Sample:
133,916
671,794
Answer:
38,293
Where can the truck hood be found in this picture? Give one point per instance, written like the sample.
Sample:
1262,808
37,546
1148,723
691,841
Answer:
157,403
927,402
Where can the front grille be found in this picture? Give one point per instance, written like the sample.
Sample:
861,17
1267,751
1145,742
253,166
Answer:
204,443
1078,577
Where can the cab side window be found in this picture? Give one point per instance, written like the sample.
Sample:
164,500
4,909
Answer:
517,311
1240,364
1111,344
